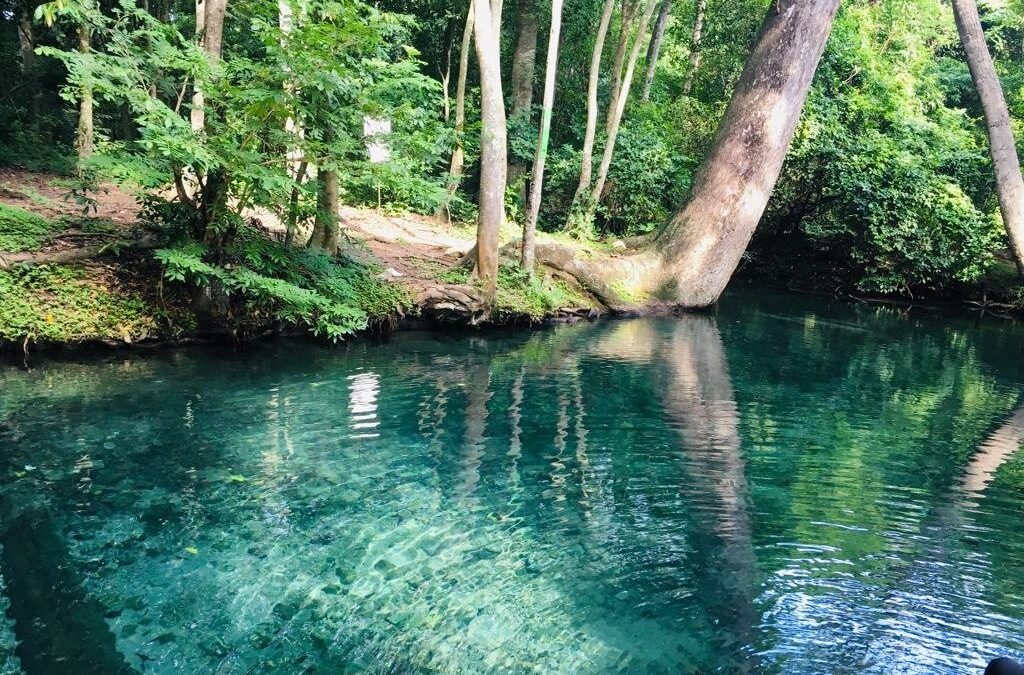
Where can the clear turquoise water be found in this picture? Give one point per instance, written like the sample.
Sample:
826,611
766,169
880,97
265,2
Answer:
783,486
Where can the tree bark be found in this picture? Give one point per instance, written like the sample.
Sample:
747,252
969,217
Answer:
1009,183
629,9
213,35
654,49
523,63
458,153
540,156
695,40
524,59
326,228
691,260
85,134
587,157
493,148
615,114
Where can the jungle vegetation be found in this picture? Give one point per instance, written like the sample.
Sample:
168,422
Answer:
868,146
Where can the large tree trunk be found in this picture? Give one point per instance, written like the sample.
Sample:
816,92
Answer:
615,114
458,153
326,227
493,147
694,255
654,49
587,158
213,35
540,156
84,134
1009,183
695,40
523,63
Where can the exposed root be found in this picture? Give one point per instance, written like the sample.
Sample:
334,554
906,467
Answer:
453,303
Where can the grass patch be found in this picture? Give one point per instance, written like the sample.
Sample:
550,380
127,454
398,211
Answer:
58,303
23,231
518,296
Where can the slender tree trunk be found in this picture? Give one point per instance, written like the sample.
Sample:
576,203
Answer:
692,258
197,115
695,46
27,46
215,193
84,134
540,156
629,9
523,63
1009,183
615,114
493,148
654,49
587,157
458,154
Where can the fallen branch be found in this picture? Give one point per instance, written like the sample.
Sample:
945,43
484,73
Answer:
9,260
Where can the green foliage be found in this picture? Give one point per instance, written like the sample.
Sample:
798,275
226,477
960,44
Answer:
648,177
23,231
54,303
269,281
886,187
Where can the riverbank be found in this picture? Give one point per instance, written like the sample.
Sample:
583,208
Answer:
91,273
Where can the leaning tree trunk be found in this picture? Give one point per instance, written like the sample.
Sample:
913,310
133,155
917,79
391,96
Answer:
524,60
695,45
694,255
540,156
615,115
84,134
1009,183
654,49
587,158
493,148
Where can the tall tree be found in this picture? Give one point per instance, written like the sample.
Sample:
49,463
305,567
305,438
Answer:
615,114
524,59
458,153
587,156
1009,183
540,155
84,135
654,48
493,144
626,17
692,258
695,45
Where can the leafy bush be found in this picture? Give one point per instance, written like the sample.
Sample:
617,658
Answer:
23,231
269,281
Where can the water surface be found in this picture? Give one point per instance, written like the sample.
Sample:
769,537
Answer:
785,485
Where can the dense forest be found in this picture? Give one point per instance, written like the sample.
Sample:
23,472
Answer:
634,152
